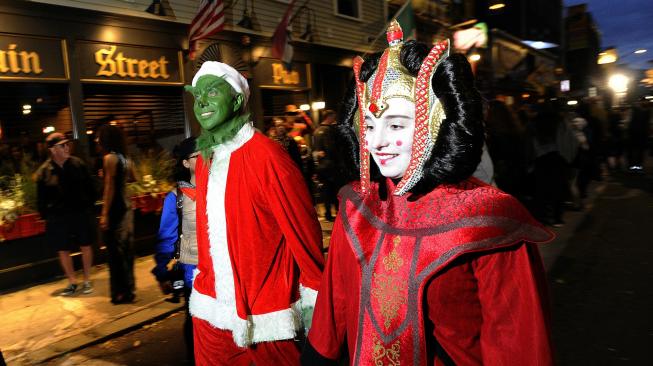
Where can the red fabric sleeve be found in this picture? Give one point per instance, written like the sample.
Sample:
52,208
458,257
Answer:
514,307
327,335
292,207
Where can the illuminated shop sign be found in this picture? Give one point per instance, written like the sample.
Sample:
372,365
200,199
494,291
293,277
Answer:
32,58
272,73
100,62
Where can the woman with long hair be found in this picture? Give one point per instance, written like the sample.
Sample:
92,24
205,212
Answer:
117,219
426,264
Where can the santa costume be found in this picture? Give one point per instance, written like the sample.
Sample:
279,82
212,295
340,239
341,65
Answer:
259,249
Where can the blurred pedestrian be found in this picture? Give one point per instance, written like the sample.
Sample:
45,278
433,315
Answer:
324,146
638,130
177,238
279,134
117,217
507,145
66,198
596,136
582,164
298,123
551,169
615,146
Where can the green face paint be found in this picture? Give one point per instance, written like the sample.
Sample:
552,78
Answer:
214,101
218,110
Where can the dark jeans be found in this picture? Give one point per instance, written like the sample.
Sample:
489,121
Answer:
329,195
551,172
119,240
636,154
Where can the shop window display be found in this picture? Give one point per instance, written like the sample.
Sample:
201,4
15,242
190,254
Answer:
152,120
27,112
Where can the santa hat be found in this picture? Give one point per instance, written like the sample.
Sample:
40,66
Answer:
231,75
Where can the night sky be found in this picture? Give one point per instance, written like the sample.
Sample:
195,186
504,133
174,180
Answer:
625,24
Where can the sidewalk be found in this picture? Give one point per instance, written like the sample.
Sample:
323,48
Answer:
39,325
573,219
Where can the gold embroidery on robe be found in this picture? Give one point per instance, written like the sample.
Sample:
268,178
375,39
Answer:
388,290
392,262
386,356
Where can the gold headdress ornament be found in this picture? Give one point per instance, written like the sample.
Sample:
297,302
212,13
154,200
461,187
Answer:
392,80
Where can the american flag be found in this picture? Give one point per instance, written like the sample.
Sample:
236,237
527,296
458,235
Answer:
208,21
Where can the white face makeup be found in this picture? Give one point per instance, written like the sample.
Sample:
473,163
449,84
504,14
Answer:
390,137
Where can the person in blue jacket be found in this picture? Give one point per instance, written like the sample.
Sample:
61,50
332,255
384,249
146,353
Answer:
176,250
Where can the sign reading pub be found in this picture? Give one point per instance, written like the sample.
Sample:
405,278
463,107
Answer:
129,64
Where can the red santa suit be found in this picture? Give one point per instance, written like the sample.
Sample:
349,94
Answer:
451,278
259,243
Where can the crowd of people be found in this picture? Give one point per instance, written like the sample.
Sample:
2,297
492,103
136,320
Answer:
546,154
313,149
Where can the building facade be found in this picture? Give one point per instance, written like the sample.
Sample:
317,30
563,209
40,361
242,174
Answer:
583,41
71,66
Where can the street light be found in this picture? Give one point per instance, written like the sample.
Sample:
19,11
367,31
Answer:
607,57
474,57
610,55
618,83
496,5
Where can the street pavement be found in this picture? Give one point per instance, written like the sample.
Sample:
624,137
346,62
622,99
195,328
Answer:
160,343
38,325
601,282
598,272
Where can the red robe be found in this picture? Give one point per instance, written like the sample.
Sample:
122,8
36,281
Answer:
259,241
453,276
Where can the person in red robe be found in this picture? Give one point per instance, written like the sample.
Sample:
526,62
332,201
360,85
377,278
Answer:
258,238
427,265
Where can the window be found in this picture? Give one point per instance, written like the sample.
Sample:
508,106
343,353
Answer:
348,8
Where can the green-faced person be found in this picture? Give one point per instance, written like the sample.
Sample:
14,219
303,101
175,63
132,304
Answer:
258,239
220,104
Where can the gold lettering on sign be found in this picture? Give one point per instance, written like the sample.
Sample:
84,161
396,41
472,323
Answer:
15,61
281,76
111,65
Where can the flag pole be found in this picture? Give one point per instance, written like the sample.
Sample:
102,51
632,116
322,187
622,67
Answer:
297,12
385,27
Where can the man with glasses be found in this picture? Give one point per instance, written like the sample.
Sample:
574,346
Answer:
66,196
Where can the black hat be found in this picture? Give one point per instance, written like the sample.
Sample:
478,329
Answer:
185,148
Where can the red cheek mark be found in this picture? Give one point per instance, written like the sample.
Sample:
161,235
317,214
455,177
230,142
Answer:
399,143
382,162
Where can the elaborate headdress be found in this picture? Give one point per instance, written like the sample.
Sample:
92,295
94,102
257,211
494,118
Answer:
392,80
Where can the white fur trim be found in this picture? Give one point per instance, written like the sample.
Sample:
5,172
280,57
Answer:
224,150
307,299
274,326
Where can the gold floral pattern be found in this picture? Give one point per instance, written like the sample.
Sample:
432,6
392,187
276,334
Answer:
386,356
389,293
392,262
388,290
